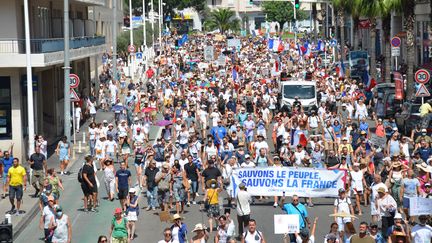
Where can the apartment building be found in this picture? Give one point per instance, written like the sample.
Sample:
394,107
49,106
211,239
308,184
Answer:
90,24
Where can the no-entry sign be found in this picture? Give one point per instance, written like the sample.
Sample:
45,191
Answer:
395,41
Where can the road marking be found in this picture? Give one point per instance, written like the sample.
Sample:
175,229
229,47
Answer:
76,219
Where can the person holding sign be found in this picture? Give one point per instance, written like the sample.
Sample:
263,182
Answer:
296,208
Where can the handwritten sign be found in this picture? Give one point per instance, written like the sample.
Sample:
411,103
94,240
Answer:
420,206
286,223
378,141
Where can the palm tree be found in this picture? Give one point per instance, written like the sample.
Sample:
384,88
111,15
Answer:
341,7
223,19
371,10
409,20
355,9
382,9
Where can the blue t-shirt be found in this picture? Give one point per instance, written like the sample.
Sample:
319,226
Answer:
410,187
7,163
123,178
221,133
424,153
290,209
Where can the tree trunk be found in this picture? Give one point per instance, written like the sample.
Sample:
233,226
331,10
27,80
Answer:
356,34
409,26
387,53
342,33
372,48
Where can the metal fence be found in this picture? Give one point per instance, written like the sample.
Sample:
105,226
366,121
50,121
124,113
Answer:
17,46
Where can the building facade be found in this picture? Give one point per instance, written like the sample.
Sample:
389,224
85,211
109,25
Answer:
90,27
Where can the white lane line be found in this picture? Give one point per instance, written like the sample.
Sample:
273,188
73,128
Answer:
76,219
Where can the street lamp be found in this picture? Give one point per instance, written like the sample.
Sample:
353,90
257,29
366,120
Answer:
160,24
144,26
132,69
30,111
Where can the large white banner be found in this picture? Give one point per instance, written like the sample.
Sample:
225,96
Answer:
275,181
420,206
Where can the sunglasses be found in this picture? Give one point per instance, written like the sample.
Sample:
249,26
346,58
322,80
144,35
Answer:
103,240
167,234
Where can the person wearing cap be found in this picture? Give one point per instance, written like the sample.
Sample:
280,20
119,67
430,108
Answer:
132,210
211,198
118,231
358,183
423,149
248,163
342,204
179,229
47,219
163,179
376,184
386,206
398,228
427,192
200,234
243,200
422,232
63,226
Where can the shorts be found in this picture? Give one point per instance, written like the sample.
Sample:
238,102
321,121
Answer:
139,164
341,223
184,146
132,216
122,193
406,202
87,190
64,157
119,240
15,192
4,178
356,192
38,176
163,196
213,211
110,155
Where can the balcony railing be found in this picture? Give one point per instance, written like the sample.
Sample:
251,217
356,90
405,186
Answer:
17,46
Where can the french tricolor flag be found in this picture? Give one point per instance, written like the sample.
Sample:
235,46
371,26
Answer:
320,46
369,81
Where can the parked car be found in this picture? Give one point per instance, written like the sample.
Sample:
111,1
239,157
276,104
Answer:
408,118
304,29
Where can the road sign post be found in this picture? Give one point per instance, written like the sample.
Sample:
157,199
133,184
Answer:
422,76
395,49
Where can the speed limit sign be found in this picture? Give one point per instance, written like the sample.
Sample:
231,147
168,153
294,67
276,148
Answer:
422,76
74,80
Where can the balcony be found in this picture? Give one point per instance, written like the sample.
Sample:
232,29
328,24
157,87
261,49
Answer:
40,46
92,2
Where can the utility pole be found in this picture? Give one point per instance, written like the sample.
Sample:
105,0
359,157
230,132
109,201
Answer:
67,104
295,25
152,19
144,25
131,55
30,112
114,39
160,25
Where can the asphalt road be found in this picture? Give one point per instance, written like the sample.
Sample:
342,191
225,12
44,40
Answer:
86,227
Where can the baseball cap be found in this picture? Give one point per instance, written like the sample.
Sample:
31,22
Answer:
247,156
341,190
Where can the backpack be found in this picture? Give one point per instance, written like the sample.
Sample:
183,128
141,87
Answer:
80,176
258,233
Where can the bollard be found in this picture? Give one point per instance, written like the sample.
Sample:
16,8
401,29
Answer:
79,147
84,138
8,218
73,151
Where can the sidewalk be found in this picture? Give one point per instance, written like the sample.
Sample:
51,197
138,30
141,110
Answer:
31,205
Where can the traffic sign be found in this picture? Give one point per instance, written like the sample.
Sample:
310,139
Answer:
395,41
395,51
333,43
422,76
422,91
74,96
139,55
131,48
74,81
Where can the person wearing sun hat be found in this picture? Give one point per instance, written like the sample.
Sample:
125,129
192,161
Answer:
178,229
118,230
63,230
386,206
212,201
200,234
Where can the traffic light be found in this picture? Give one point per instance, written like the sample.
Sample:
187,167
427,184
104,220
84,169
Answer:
297,4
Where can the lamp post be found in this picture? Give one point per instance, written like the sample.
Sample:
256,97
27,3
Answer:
67,105
132,69
30,111
114,39
144,26
152,19
160,25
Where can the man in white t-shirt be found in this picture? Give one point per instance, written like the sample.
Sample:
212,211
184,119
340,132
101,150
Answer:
110,148
343,204
248,162
422,233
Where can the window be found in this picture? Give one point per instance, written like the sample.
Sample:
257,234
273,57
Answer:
5,108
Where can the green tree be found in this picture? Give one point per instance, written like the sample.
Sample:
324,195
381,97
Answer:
222,19
341,7
123,40
281,12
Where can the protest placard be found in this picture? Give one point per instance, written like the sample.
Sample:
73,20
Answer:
286,223
378,141
420,206
275,181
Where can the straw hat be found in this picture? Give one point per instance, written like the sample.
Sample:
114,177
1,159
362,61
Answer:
177,216
199,227
396,164
210,182
424,167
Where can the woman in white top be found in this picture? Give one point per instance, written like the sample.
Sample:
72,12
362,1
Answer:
63,230
92,138
361,110
210,150
77,116
357,184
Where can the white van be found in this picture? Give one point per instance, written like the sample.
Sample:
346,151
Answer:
304,90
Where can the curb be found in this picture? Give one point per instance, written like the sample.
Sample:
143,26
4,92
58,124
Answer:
31,214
